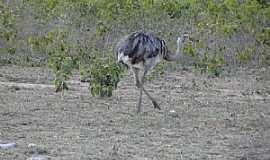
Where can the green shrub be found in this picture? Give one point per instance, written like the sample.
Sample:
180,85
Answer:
211,64
245,56
266,57
189,50
104,75
264,36
62,64
8,29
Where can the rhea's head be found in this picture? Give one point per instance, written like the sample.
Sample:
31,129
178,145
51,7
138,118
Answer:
183,38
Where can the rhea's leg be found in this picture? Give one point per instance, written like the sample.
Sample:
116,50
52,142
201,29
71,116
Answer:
140,100
138,85
152,99
136,76
148,95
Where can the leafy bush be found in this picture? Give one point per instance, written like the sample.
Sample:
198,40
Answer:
189,50
245,55
215,65
61,62
266,57
212,64
103,72
8,30
104,75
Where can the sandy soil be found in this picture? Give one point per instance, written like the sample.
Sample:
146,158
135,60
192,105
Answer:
226,118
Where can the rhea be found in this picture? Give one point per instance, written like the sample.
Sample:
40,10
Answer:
141,52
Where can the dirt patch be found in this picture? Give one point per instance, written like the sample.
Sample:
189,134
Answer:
201,118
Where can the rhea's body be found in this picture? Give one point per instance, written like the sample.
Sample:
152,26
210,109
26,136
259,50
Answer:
142,51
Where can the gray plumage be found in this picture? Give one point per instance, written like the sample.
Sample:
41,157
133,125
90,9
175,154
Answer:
142,51
139,46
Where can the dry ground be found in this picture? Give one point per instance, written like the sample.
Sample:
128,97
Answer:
226,118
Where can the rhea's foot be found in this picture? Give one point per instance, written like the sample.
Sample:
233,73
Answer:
156,105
